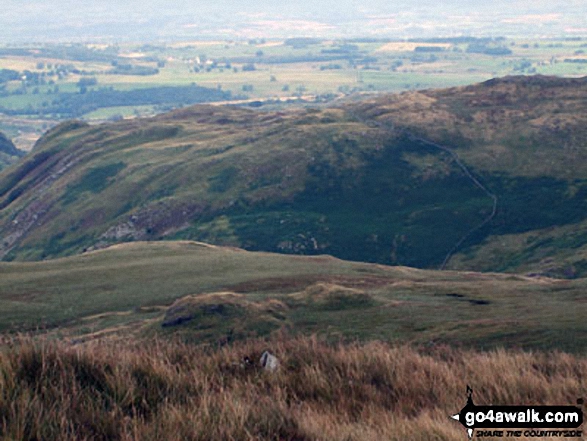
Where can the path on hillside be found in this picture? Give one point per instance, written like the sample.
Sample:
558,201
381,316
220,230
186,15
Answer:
389,127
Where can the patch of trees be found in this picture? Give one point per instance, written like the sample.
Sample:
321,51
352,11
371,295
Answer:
19,52
481,48
307,58
300,42
421,58
8,75
367,60
130,69
368,40
524,66
428,49
458,40
87,82
34,78
76,52
73,105
395,64
342,49
330,66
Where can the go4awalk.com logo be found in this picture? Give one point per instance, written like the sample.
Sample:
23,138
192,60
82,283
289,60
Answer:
517,421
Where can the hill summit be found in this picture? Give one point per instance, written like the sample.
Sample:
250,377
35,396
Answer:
490,176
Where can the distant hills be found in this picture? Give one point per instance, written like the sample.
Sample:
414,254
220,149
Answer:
153,20
491,176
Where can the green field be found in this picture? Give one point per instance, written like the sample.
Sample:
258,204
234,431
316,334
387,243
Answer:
324,68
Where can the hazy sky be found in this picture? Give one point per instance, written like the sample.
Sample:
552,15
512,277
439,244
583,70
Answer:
43,20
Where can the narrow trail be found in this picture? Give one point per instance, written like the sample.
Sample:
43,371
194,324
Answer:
495,200
477,183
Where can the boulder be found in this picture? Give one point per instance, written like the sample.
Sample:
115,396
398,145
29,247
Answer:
269,362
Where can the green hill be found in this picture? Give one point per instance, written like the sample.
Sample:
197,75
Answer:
204,293
410,179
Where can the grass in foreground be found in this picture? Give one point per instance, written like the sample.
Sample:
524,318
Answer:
152,390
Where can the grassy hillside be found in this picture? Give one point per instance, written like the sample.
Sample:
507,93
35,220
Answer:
8,152
147,390
406,179
202,293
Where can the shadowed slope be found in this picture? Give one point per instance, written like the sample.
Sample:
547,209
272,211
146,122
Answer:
391,180
8,152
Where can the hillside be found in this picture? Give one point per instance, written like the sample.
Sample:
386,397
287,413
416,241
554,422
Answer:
202,293
411,179
8,151
343,392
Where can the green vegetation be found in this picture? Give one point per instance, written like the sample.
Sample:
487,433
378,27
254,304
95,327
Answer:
8,151
201,293
404,179
78,104
95,180
55,82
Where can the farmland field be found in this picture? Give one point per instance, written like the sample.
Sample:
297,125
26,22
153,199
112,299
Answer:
42,85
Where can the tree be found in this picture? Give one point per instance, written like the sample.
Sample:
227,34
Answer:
87,82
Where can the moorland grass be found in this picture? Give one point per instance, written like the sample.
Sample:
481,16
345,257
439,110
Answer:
152,390
120,286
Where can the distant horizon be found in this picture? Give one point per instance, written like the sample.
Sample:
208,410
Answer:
154,21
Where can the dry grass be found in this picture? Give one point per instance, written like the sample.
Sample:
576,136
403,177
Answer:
153,390
332,295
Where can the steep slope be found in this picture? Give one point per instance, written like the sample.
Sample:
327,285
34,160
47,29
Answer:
406,179
8,151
